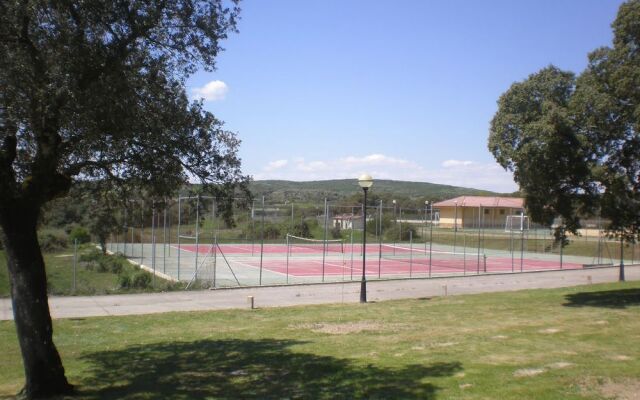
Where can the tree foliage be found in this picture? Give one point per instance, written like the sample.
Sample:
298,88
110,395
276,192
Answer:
95,91
573,144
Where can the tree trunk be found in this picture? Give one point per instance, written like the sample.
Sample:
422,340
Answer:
43,368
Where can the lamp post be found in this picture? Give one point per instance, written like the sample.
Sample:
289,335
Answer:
365,181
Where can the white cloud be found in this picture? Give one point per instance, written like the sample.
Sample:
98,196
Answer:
456,163
212,91
274,165
472,174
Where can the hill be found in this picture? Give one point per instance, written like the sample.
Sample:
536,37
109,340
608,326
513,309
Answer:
278,190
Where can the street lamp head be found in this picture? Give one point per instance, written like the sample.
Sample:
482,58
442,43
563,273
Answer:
426,202
394,202
365,181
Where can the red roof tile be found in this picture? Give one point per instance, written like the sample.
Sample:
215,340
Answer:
484,201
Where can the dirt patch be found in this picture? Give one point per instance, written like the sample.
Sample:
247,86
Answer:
620,357
444,344
347,328
527,372
549,331
560,365
499,337
465,386
625,389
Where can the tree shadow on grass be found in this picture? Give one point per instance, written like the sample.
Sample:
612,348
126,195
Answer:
622,298
248,369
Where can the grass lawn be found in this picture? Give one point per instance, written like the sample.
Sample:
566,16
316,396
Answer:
575,343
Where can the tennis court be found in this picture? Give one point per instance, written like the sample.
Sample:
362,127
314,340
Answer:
382,260
189,241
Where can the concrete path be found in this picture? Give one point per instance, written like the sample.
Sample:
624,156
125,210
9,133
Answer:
349,292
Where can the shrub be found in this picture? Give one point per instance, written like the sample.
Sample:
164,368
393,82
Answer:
124,281
93,255
50,242
336,232
141,280
110,264
80,234
302,229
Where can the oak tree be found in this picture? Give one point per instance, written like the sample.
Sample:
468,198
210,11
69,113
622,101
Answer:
95,91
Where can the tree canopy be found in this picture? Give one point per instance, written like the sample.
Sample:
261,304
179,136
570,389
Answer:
95,91
573,144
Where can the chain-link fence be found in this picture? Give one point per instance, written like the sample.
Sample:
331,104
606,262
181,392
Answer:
196,241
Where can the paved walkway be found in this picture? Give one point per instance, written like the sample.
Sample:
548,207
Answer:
349,292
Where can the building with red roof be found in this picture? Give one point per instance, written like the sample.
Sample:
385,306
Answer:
474,211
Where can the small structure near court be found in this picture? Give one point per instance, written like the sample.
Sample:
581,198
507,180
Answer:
479,211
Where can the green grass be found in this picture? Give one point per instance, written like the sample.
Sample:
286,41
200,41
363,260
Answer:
575,343
89,279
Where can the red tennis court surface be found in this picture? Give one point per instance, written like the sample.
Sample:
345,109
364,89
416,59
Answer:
399,265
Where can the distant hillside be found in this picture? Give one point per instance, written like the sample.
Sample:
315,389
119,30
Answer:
276,190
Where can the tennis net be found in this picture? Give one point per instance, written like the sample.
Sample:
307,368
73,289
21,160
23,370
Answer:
435,258
296,244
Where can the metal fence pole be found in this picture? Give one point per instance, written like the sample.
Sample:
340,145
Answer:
261,242
324,245
351,245
561,247
75,262
287,271
464,251
410,253
380,243
197,235
479,228
126,229
164,240
431,241
153,241
142,232
522,247
178,238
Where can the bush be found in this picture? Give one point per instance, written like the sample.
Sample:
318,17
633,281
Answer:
271,232
50,242
110,264
80,234
124,281
141,280
336,232
93,255
102,263
302,229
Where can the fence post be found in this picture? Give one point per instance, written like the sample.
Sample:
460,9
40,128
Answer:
197,235
410,253
153,241
178,239
75,262
164,239
287,250
380,244
261,242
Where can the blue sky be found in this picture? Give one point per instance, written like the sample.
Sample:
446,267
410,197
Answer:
402,90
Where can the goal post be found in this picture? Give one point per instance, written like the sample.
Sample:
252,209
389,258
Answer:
517,223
